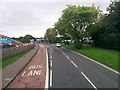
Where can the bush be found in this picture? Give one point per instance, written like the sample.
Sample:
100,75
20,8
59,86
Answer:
78,45
109,41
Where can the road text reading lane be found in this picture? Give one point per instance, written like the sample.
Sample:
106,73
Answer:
33,70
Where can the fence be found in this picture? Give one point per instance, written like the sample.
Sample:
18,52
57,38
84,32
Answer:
6,52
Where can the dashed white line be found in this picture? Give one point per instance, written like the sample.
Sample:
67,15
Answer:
63,53
51,63
89,80
67,57
50,78
74,64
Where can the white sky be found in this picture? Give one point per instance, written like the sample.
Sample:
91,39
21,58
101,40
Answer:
21,17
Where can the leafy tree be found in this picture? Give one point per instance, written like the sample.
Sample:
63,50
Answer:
75,19
106,32
113,18
50,35
27,38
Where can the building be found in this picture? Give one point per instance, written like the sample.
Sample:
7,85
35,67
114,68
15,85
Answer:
4,40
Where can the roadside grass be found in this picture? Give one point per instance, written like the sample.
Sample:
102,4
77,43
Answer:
104,56
11,59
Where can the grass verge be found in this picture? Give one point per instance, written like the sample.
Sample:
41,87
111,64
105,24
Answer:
11,59
101,55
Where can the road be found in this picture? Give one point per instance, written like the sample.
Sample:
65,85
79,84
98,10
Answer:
71,70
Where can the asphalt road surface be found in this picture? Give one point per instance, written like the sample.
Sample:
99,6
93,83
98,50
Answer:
71,70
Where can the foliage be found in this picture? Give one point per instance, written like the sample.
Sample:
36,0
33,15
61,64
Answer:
78,45
108,40
25,39
106,32
113,18
75,19
50,35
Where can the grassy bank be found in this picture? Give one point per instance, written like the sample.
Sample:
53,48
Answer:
13,58
101,55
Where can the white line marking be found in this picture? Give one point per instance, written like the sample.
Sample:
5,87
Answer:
23,73
51,63
89,80
50,78
50,56
74,64
47,74
63,53
67,57
98,63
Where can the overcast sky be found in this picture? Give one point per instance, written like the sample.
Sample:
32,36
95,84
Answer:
21,17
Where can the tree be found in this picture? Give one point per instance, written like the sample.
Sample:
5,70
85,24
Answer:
106,32
113,18
75,20
50,35
27,38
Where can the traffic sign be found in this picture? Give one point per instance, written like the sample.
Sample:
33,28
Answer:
5,40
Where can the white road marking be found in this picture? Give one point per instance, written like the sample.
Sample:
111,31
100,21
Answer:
50,56
63,53
74,64
47,73
50,78
98,63
89,80
51,63
67,57
23,73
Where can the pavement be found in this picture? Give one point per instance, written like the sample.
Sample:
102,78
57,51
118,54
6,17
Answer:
71,70
9,72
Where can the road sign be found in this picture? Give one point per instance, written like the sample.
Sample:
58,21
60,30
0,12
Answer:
5,40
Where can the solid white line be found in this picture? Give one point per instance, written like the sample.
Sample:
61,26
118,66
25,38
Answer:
74,64
47,74
89,80
67,57
50,78
97,63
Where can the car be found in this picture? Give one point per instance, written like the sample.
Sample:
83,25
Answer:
58,45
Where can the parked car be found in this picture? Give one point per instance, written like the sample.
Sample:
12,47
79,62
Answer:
58,45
